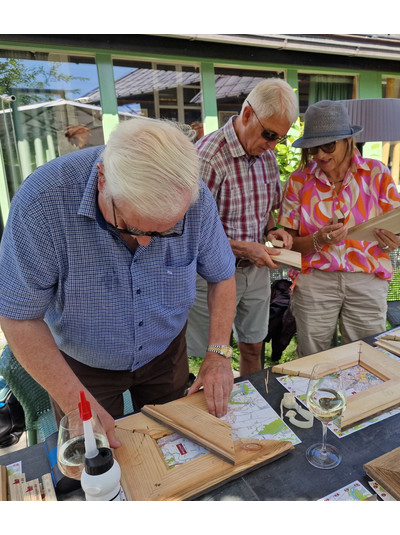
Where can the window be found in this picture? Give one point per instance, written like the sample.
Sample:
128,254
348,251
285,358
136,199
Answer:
316,87
161,91
42,113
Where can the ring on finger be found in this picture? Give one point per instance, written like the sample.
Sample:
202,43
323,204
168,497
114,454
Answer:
328,236
385,247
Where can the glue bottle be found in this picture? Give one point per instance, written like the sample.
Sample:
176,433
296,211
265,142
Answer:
101,476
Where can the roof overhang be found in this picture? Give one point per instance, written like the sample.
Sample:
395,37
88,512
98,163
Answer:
367,46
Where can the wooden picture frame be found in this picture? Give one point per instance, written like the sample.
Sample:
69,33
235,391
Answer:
365,231
145,473
365,404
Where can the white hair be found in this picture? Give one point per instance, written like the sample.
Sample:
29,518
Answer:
274,96
153,165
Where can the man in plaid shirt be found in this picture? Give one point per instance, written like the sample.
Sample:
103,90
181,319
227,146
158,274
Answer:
241,171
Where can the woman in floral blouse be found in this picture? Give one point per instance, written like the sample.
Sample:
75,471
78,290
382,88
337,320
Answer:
335,188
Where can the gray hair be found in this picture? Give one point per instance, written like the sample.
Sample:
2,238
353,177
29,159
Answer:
153,165
274,96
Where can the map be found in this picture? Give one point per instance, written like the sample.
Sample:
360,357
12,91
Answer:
354,491
250,416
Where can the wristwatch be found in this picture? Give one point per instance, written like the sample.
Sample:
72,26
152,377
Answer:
225,351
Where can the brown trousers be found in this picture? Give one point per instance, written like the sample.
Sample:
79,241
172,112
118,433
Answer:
163,379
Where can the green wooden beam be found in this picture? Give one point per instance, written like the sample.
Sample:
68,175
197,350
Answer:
108,97
210,111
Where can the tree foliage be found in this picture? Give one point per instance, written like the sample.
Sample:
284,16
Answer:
15,74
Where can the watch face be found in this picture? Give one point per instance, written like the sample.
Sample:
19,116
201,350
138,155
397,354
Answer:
227,351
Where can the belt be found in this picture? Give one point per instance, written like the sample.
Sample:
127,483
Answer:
243,262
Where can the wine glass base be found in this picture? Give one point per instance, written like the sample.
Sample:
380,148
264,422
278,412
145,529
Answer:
323,460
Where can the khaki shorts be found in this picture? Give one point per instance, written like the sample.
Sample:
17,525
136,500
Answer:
321,299
253,292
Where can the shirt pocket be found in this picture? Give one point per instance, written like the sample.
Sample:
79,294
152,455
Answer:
179,285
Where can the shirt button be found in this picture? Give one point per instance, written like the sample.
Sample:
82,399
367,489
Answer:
138,291
140,348
140,323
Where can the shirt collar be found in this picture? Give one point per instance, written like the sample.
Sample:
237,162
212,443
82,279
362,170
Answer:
89,206
234,145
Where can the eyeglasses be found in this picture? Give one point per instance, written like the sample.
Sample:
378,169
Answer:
268,135
175,231
328,148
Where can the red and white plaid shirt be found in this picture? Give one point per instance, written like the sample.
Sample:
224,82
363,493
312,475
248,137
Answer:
245,188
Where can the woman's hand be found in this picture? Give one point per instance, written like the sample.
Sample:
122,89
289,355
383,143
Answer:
387,241
331,234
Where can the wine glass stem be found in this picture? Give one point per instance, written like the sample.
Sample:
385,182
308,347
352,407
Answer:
324,430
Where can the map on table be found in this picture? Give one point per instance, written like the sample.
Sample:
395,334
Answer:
353,491
250,416
356,379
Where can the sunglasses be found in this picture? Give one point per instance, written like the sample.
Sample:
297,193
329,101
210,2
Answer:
268,135
328,148
175,231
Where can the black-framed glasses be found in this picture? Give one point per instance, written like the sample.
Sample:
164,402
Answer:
268,135
173,232
328,148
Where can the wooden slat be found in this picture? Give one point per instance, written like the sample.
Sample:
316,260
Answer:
141,463
287,256
386,471
344,356
3,483
390,345
371,402
197,425
388,221
384,368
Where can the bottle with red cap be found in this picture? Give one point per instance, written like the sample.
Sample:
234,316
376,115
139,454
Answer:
101,476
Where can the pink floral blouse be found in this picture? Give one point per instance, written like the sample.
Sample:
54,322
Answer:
309,202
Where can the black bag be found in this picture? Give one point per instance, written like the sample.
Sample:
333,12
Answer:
12,418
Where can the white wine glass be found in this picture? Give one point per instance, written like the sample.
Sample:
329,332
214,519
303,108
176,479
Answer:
326,399
71,443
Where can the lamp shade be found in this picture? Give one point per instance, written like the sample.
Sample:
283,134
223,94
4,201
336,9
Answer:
380,118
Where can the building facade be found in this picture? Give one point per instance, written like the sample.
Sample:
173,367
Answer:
61,93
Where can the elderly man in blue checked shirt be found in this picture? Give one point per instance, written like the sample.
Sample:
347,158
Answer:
98,267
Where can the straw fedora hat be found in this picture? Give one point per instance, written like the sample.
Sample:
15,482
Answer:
324,122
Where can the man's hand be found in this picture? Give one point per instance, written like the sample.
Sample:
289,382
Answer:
281,234
107,421
216,377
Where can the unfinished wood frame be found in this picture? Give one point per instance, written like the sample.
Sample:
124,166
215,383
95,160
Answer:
146,475
365,404
386,471
365,231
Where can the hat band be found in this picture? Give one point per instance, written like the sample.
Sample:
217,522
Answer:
329,134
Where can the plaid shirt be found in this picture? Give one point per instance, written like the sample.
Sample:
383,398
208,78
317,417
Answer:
245,188
106,306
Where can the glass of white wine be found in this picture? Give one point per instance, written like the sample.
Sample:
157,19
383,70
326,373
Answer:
326,399
71,443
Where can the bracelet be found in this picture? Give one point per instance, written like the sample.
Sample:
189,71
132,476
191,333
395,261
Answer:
270,230
317,246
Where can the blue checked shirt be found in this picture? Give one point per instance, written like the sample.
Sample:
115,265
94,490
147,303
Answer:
105,305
